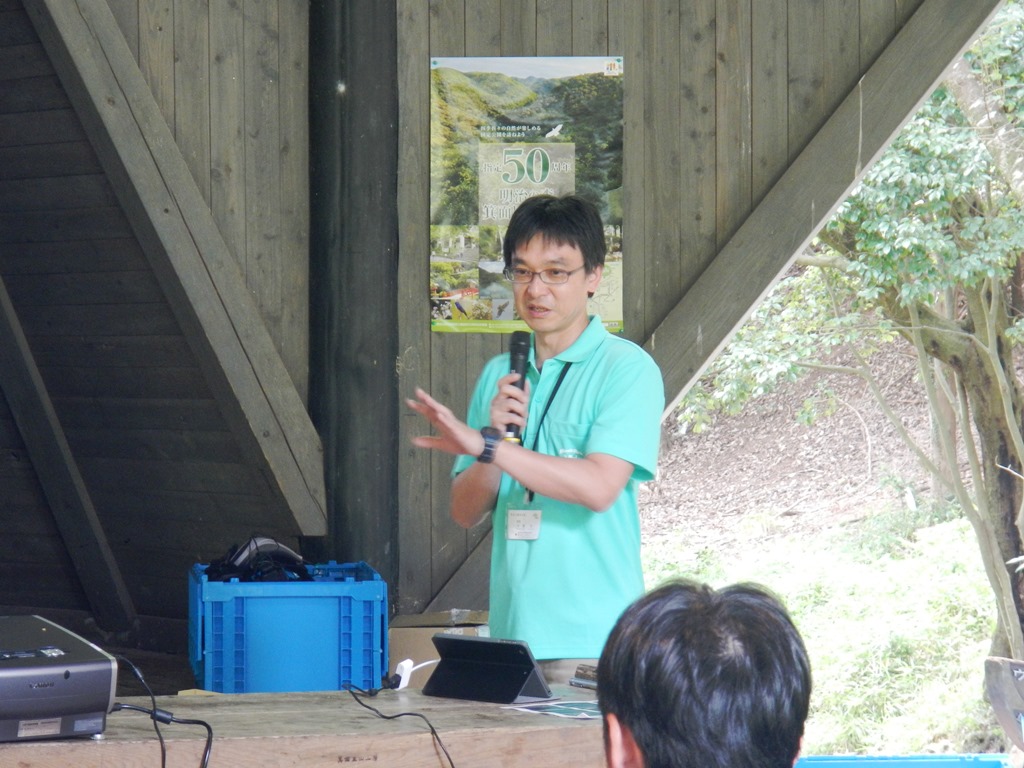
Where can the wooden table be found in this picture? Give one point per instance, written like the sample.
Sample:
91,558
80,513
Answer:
309,730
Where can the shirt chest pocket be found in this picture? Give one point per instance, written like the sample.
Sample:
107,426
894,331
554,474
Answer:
565,439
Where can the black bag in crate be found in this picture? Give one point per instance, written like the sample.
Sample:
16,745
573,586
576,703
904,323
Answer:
259,559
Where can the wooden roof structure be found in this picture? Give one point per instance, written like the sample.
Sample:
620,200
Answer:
196,348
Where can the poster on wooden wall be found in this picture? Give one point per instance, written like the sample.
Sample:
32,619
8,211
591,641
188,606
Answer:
503,129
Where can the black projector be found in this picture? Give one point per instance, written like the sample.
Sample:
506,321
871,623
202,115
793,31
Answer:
53,683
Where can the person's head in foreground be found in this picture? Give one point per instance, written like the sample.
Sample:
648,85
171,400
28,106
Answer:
693,677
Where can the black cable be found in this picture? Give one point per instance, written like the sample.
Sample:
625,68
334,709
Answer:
373,692
163,716
152,698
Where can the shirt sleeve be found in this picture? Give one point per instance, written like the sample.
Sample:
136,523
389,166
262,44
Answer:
628,421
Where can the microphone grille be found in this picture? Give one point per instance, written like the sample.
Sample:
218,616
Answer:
520,340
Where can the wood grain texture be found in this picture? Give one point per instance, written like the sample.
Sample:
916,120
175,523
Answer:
167,458
745,124
722,100
67,495
317,730
813,186
231,83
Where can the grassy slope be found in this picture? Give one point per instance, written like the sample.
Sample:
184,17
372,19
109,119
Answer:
896,618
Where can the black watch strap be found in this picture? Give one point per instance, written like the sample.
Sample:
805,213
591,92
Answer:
492,437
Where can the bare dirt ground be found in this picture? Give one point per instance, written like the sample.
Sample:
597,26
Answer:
795,478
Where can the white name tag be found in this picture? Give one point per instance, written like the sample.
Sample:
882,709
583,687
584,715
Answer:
522,525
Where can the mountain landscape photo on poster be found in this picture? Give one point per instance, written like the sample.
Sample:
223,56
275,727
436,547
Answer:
503,129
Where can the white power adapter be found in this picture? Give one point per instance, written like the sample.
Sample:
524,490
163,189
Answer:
405,668
404,671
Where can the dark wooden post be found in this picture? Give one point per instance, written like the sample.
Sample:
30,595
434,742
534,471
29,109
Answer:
353,273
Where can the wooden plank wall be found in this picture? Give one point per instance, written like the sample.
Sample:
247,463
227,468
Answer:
34,563
231,81
35,568
164,472
720,96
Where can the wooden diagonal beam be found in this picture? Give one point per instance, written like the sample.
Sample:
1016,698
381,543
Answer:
187,252
58,474
815,184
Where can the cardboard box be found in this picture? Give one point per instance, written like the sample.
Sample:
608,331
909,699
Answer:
409,637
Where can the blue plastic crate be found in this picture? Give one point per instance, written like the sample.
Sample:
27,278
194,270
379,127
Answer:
904,761
320,635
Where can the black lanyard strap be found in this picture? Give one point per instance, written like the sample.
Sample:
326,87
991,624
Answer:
544,413
547,405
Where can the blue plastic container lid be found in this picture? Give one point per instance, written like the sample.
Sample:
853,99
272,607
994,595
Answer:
904,761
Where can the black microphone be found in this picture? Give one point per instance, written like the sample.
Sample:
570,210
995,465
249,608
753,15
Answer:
519,353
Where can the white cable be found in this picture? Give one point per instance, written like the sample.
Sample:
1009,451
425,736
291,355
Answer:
405,668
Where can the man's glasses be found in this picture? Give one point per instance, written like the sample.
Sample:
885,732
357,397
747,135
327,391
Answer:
553,276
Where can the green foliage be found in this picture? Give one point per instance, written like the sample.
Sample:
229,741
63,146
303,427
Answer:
820,405
807,315
670,558
895,641
922,623
503,92
595,128
490,244
892,532
445,274
589,106
931,214
999,59
897,611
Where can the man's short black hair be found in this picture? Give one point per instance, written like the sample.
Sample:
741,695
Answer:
708,678
568,220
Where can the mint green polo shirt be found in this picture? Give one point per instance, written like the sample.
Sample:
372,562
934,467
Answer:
563,592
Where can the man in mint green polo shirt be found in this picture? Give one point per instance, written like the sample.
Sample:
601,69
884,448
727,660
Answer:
566,554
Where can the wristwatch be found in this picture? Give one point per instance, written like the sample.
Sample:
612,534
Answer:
492,436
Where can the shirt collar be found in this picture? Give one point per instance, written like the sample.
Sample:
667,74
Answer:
591,338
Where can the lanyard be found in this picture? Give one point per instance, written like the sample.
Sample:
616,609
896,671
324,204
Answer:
544,413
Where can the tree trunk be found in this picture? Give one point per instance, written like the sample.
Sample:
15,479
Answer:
976,352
